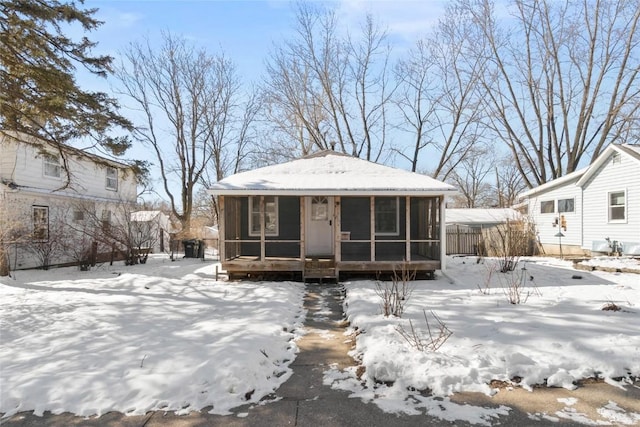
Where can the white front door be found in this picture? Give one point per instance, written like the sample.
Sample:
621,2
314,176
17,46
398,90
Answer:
319,230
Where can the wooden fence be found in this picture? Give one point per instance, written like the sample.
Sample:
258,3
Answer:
463,240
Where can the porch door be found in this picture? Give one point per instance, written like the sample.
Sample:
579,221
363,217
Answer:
319,225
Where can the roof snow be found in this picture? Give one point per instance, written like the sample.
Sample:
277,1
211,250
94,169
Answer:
330,173
480,216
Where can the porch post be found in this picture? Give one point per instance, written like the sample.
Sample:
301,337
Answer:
303,217
221,230
337,234
407,221
372,233
443,236
262,245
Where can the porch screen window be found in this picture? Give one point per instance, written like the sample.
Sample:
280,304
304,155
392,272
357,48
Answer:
270,215
112,179
386,211
51,165
546,206
565,205
41,223
617,206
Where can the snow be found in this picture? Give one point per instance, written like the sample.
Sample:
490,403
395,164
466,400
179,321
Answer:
166,335
559,335
481,216
331,173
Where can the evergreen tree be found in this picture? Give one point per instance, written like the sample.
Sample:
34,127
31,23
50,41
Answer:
38,91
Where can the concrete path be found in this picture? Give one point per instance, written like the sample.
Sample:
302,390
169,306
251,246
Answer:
304,400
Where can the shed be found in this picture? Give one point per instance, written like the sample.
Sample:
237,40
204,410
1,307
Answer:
329,214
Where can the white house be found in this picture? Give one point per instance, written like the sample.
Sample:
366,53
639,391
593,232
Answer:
153,230
49,196
592,210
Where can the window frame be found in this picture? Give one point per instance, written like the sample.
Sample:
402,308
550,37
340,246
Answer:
573,205
396,231
108,178
610,206
44,226
51,161
276,214
544,202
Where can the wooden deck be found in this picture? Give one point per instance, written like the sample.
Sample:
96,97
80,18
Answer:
315,268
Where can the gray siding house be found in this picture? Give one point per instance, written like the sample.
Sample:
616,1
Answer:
329,214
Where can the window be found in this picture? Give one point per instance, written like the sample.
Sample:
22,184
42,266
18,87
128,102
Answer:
41,223
270,215
547,207
78,215
51,165
319,209
617,206
112,179
565,205
386,211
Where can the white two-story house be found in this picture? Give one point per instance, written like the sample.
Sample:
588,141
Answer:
49,197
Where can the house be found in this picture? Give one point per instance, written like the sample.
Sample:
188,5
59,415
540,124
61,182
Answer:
329,214
50,197
593,210
467,228
151,230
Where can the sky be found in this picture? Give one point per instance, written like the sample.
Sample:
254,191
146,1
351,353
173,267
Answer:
246,31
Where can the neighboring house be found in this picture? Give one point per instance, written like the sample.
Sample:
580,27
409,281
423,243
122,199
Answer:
327,214
592,210
466,226
48,216
152,230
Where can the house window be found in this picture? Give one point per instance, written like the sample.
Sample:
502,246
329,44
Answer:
270,215
320,209
386,212
51,164
40,223
617,206
547,207
112,179
566,205
78,215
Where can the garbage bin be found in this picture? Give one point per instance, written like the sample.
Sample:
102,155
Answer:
190,249
200,251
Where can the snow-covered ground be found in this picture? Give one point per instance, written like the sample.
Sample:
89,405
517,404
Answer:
167,335
559,335
164,335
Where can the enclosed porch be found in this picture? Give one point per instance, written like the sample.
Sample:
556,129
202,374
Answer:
329,236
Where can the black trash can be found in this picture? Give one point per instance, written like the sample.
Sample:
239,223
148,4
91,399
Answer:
190,248
200,251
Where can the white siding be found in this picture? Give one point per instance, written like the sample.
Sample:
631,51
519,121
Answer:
7,158
544,221
22,164
612,177
87,177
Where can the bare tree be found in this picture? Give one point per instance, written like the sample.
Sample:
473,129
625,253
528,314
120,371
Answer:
509,182
329,90
471,179
438,98
188,99
561,78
